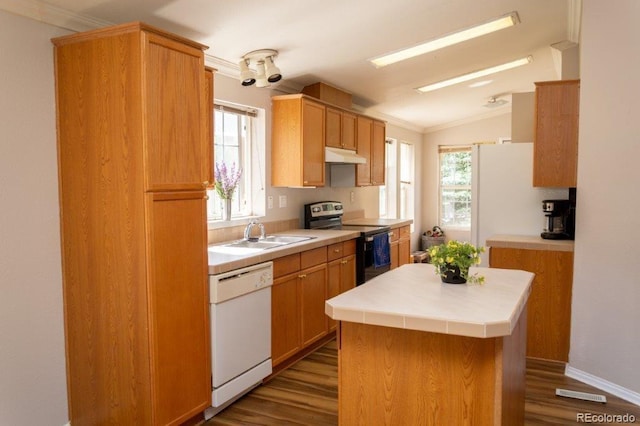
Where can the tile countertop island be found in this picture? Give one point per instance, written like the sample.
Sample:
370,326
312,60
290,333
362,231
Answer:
413,350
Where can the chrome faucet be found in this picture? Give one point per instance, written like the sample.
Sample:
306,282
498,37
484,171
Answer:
247,230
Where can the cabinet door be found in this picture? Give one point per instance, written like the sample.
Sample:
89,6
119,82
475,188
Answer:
313,294
395,254
363,135
549,306
347,273
313,116
178,305
349,131
333,127
285,319
176,151
334,277
555,162
378,151
209,124
404,252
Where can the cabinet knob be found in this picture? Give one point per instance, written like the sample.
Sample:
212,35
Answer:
206,197
205,183
336,250
344,262
302,276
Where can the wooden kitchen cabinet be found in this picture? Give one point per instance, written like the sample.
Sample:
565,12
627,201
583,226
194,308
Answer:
404,245
378,153
400,243
341,271
555,159
340,129
297,302
297,141
549,307
133,161
371,146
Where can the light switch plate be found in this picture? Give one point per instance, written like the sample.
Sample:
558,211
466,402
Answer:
283,201
270,202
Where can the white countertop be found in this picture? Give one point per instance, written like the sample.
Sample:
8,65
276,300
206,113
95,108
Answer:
219,263
413,297
528,242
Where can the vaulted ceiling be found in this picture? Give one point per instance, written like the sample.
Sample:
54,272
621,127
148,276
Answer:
332,40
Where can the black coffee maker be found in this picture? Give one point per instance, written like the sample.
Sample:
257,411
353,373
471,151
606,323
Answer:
559,220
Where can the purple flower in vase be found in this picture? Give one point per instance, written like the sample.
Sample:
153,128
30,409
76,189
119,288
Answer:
226,179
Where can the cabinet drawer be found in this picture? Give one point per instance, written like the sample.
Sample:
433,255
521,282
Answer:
335,251
349,247
405,231
313,257
286,265
395,234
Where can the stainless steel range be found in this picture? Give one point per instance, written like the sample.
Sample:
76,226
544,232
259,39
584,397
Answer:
328,215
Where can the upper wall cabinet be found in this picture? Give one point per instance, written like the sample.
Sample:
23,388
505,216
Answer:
371,145
297,141
340,129
555,161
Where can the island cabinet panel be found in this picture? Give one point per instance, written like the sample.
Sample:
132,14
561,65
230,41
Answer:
398,376
555,148
132,160
549,322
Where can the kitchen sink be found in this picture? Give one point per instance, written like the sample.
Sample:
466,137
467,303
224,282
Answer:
243,247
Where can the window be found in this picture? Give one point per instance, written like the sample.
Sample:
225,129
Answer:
397,195
234,134
455,186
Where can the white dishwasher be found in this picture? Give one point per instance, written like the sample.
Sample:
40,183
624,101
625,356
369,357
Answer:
240,332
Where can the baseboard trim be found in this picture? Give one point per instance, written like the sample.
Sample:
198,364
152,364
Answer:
602,384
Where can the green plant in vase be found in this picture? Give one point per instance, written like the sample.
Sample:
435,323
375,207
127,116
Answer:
453,259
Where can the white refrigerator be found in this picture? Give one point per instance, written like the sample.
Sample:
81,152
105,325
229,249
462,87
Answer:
503,199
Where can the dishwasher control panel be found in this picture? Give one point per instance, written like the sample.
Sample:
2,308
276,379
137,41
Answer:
232,284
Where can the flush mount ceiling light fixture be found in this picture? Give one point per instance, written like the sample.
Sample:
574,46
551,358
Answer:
477,31
495,102
476,74
265,70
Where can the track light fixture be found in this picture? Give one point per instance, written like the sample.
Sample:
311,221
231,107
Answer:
265,70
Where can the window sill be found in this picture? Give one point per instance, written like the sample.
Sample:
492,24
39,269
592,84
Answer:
235,221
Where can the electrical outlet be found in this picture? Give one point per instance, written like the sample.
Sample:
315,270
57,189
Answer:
353,196
283,201
270,202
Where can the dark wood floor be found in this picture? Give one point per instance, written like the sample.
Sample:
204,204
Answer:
306,394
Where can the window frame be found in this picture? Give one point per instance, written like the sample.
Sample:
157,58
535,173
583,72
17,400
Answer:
448,149
242,200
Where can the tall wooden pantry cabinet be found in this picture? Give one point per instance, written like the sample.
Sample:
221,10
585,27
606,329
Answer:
134,161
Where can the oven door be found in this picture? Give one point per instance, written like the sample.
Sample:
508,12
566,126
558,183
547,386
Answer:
369,271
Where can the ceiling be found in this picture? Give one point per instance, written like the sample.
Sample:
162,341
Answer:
331,40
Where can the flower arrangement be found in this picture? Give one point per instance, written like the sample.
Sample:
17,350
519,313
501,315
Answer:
462,255
226,180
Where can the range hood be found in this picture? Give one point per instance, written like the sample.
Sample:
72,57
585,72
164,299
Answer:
337,155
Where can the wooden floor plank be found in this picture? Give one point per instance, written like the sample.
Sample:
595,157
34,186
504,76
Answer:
307,394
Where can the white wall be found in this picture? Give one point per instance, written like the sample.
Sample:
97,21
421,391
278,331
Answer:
605,332
32,363
488,129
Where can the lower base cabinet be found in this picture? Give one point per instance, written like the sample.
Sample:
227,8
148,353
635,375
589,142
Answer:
302,283
549,308
400,246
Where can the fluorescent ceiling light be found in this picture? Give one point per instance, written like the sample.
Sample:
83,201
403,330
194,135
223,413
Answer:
448,40
476,74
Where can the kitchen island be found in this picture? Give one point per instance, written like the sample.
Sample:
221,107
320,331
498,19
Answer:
415,351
